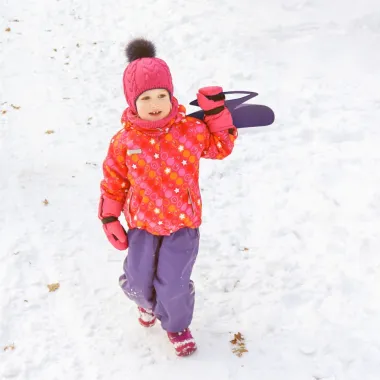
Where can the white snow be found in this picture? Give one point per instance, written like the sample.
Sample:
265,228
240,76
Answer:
291,235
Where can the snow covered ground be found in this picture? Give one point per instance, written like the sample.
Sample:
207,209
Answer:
291,235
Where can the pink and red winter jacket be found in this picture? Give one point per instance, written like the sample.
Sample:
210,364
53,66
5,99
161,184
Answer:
155,176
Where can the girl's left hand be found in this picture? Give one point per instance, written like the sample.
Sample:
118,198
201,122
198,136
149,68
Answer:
211,99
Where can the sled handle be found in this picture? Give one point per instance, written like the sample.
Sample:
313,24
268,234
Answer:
233,103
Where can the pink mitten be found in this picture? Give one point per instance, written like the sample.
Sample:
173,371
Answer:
210,98
212,101
109,212
116,235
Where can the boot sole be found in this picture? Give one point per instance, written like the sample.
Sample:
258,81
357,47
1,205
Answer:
147,325
186,353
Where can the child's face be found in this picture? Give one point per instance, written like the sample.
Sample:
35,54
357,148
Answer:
153,104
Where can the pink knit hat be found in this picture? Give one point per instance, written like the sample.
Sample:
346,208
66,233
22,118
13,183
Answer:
144,72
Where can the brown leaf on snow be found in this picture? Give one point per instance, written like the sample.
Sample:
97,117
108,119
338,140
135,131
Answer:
239,351
49,131
15,107
8,29
53,287
3,112
10,347
237,338
45,202
238,345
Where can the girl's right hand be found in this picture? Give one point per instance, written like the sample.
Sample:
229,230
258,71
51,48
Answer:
116,235
109,212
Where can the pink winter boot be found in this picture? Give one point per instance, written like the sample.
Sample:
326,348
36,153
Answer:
183,342
147,318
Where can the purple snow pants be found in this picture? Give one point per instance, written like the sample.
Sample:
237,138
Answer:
157,274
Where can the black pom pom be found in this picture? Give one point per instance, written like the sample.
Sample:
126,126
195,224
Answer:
140,48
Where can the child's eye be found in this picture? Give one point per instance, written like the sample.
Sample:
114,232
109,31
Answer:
145,98
162,95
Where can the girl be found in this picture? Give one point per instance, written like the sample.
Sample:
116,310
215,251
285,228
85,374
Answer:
151,174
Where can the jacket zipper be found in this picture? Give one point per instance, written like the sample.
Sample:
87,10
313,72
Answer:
190,200
129,205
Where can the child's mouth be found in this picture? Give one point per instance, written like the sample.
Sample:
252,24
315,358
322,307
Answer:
155,113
